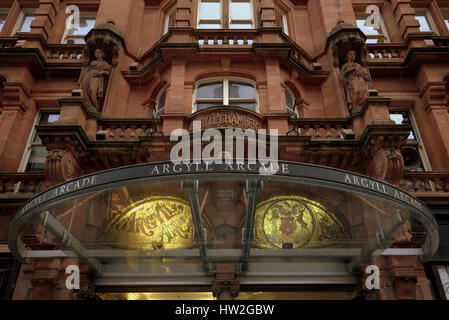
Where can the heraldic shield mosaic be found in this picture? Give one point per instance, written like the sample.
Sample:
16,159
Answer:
296,222
153,223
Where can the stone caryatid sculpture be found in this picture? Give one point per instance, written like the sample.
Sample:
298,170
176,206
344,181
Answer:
356,81
94,80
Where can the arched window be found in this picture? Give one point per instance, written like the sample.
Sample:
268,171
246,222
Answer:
290,100
225,92
160,102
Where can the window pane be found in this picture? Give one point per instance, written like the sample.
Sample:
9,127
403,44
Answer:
423,23
3,17
240,11
86,23
210,11
48,118
366,30
37,159
161,102
209,26
26,24
241,90
241,26
403,118
76,40
246,105
210,90
204,105
290,102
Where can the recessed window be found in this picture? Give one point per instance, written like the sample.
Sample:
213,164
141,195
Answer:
170,19
160,102
3,16
373,35
25,25
281,20
76,36
36,152
224,14
403,117
226,92
424,19
290,100
445,12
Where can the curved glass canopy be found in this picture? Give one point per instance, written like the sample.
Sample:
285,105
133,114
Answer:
165,221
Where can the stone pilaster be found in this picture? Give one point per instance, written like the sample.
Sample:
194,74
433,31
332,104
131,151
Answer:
267,15
45,17
183,14
405,17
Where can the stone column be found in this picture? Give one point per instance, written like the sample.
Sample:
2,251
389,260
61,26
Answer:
405,17
45,17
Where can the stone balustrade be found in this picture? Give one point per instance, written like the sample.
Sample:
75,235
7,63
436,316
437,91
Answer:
64,52
21,183
128,129
385,52
225,38
320,129
426,182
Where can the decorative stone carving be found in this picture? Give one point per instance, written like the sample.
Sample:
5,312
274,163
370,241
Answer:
355,80
227,117
86,290
95,80
101,52
387,163
225,289
60,166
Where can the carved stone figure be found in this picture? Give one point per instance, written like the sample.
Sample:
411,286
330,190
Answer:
94,80
356,81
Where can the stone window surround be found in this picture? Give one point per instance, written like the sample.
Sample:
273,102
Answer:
23,13
426,12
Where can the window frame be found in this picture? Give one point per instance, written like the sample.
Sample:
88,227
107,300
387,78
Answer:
290,92
251,6
383,32
87,14
158,111
4,11
423,11
445,11
29,146
210,21
225,81
418,139
284,19
167,18
19,24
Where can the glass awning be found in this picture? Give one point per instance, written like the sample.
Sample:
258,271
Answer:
165,220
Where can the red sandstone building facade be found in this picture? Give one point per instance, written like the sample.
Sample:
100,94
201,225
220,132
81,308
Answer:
370,101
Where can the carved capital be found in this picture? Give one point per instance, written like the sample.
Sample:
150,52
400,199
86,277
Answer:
225,288
61,166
